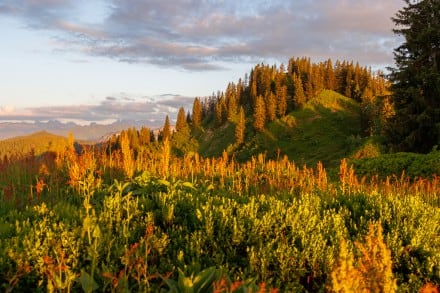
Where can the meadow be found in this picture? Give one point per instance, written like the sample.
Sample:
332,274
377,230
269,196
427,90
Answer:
149,221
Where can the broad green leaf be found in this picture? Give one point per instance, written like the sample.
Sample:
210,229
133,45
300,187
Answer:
87,282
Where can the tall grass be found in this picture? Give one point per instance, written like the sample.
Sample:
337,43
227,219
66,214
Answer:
148,221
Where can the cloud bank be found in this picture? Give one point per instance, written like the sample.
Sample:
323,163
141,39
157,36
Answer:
199,35
120,107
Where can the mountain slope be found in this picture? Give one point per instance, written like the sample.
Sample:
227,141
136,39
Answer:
39,142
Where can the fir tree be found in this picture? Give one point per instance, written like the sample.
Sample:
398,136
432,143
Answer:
166,131
259,114
281,101
416,80
181,120
145,136
197,113
271,107
299,97
240,127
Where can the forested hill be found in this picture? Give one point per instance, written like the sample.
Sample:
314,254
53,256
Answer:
308,111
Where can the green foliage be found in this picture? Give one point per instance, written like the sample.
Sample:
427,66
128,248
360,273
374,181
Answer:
412,165
200,283
415,81
215,141
179,236
320,131
259,114
197,113
240,127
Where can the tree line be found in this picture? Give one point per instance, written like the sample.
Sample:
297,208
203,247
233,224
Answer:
271,92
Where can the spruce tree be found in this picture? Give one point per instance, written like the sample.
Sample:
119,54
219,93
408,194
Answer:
240,127
271,107
197,113
259,114
416,78
181,123
299,97
281,101
166,131
145,136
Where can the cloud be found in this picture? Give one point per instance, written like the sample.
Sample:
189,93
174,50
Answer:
6,110
204,35
118,107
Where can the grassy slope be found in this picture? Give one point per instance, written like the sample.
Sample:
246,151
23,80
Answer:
40,142
322,131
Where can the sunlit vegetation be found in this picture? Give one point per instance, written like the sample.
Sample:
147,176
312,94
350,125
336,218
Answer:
308,111
150,220
279,183
37,143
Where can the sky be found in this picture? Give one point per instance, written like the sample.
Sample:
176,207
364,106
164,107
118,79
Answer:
96,60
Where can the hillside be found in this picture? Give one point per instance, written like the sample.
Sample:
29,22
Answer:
39,142
323,130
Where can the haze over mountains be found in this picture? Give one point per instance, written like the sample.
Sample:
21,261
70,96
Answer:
93,131
91,122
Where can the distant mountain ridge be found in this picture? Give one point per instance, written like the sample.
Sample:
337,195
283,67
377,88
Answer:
91,132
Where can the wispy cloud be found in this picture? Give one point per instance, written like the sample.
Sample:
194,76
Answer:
203,35
120,107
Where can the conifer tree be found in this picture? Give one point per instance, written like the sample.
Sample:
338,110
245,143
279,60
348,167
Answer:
240,127
281,100
308,87
181,120
416,80
197,113
299,97
166,131
144,136
348,81
271,107
330,78
231,100
259,114
181,141
220,111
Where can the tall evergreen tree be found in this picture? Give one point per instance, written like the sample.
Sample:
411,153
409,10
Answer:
145,136
166,131
240,127
348,81
271,107
416,78
299,97
231,100
220,111
330,78
259,114
281,100
181,120
197,113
